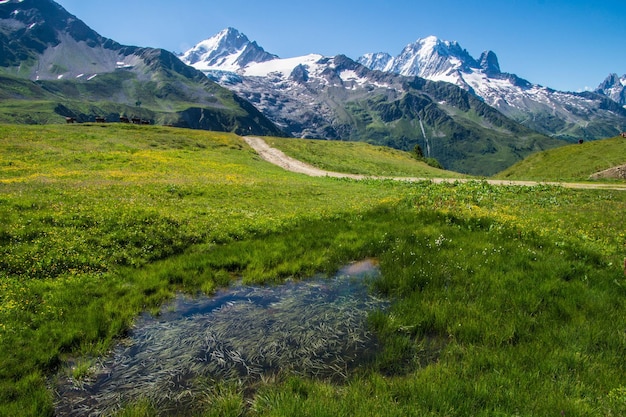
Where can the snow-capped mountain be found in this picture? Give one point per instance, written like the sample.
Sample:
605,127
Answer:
428,58
229,50
230,55
614,87
337,98
566,115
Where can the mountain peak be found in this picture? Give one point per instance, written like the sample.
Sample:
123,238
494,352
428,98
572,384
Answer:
231,37
380,61
433,45
228,50
429,42
42,21
31,27
489,63
226,42
614,87
426,57
611,81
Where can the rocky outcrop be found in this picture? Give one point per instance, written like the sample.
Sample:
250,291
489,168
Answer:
618,172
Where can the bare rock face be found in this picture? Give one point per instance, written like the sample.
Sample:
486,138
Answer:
614,87
614,173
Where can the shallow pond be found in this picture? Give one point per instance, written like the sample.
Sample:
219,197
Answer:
315,328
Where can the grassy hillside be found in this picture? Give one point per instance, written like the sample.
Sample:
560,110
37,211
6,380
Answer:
570,163
72,71
358,158
504,300
166,98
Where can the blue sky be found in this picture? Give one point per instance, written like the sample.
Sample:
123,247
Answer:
563,44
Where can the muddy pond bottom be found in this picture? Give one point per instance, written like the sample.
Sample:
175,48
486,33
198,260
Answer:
314,328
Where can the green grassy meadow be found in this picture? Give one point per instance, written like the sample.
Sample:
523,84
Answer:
506,301
358,158
570,163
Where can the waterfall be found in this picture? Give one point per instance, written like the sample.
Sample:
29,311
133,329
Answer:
425,138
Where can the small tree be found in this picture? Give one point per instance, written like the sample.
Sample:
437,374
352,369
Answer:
433,163
418,153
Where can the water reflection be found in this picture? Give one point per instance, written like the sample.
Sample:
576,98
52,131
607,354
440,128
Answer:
315,328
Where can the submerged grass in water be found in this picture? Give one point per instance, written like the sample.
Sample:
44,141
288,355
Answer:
313,328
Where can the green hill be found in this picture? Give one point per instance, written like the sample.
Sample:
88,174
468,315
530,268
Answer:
569,163
170,98
62,68
358,158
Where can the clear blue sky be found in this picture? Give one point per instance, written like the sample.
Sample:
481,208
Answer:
563,44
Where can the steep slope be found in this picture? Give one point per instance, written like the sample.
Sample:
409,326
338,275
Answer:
85,75
337,98
41,40
566,115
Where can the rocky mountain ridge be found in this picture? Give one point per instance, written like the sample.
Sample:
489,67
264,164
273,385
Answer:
565,115
614,87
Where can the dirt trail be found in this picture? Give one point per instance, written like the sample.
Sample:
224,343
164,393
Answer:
288,163
278,157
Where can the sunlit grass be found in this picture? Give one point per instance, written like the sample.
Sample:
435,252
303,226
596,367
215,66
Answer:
570,163
358,158
507,300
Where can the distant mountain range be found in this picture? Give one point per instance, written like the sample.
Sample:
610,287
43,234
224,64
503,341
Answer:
569,116
462,111
52,65
566,115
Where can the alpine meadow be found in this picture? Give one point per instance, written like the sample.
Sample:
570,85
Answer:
505,300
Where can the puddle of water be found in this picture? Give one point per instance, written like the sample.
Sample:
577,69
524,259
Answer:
315,328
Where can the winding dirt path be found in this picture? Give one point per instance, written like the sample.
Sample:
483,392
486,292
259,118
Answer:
278,157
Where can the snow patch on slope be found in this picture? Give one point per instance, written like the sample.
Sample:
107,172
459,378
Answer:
284,67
